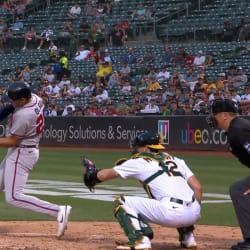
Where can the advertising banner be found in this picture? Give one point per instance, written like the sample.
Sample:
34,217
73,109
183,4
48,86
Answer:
177,132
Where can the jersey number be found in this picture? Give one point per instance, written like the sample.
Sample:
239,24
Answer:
40,124
171,169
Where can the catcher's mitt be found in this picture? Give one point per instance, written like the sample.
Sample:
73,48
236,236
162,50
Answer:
90,176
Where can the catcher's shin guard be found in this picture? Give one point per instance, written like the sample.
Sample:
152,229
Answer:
145,227
183,231
125,221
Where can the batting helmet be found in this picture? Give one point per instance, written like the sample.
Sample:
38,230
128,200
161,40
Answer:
149,139
18,90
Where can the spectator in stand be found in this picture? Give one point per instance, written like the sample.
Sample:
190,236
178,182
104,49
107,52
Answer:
92,55
30,37
188,109
84,26
153,85
95,38
104,69
64,81
221,81
48,75
140,12
126,88
175,109
210,61
75,11
130,57
89,89
82,53
53,52
234,95
228,31
69,107
122,107
199,59
180,56
212,95
168,56
17,25
201,72
147,59
102,96
189,60
51,112
5,8
107,57
46,36
163,76
151,107
26,74
114,80
55,90
240,79
64,64
142,84
107,10
101,26
17,75
246,93
19,9
74,89
151,72
125,68
117,36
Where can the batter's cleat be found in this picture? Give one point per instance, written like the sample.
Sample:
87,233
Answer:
62,218
189,241
244,245
143,244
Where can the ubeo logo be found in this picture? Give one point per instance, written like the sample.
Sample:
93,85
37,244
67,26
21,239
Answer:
202,136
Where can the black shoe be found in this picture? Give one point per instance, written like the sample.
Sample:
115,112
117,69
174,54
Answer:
244,245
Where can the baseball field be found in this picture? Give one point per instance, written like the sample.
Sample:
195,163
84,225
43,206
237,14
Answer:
58,178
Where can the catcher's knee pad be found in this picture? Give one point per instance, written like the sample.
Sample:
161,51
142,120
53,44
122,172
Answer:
145,227
125,220
184,230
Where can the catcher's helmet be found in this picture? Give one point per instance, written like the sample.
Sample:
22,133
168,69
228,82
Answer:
149,139
18,90
224,105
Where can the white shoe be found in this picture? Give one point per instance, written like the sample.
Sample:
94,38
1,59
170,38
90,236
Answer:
143,244
62,219
24,48
189,241
38,47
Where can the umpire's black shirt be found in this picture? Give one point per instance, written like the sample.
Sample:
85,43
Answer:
238,135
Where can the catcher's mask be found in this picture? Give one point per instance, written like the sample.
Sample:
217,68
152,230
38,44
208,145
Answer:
149,139
218,106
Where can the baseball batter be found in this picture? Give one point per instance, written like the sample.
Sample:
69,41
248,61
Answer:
23,132
174,193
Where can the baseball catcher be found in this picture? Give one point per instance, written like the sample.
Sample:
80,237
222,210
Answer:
90,176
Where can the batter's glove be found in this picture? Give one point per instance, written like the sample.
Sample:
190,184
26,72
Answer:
90,175
120,161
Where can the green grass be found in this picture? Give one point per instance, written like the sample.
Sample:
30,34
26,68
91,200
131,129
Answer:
216,173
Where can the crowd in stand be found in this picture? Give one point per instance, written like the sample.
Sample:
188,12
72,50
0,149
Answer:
166,90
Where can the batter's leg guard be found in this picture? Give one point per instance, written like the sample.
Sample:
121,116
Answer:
145,227
184,230
125,221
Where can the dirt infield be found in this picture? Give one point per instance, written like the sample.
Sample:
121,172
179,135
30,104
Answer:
102,235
